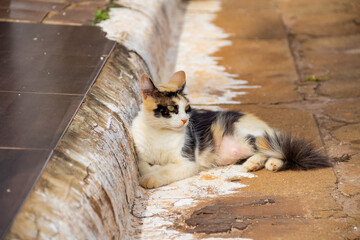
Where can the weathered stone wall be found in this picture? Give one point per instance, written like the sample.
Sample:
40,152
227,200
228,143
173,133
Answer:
89,186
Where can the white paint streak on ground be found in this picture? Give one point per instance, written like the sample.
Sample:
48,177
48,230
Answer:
184,202
208,83
160,207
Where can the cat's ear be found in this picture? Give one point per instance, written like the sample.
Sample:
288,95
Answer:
147,86
179,80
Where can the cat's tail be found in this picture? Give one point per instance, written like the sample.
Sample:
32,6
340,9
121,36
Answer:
297,154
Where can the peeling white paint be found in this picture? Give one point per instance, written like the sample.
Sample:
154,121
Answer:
184,202
160,207
207,184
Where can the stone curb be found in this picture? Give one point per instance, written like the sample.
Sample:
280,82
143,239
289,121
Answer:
88,188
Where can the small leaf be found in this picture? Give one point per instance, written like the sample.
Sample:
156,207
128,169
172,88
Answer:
100,15
315,79
103,14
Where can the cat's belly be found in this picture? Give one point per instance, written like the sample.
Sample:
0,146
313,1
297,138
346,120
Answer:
231,150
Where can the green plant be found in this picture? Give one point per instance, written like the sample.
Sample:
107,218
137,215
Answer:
101,15
315,79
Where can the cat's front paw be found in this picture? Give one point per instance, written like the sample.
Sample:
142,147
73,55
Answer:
254,163
251,166
150,182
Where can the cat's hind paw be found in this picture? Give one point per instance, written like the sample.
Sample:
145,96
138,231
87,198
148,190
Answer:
274,164
150,182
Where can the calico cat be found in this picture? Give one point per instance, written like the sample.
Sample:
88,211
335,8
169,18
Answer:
174,141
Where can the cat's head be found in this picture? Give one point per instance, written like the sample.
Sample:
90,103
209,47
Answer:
166,106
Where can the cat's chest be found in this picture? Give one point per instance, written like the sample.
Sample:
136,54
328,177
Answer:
164,146
164,141
156,146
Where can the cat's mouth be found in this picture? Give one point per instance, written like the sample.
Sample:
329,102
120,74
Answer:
180,127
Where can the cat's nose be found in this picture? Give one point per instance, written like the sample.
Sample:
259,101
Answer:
184,120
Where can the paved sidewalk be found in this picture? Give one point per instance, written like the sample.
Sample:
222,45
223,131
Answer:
305,55
63,12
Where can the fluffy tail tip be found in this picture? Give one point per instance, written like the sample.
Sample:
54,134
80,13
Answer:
298,154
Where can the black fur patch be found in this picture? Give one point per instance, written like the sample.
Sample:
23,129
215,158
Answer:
163,111
168,94
252,141
188,149
228,119
199,133
201,121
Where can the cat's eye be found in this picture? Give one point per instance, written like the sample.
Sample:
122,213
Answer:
187,108
171,108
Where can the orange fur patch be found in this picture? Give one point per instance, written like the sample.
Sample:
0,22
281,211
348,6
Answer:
262,143
218,133
167,88
182,98
149,104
